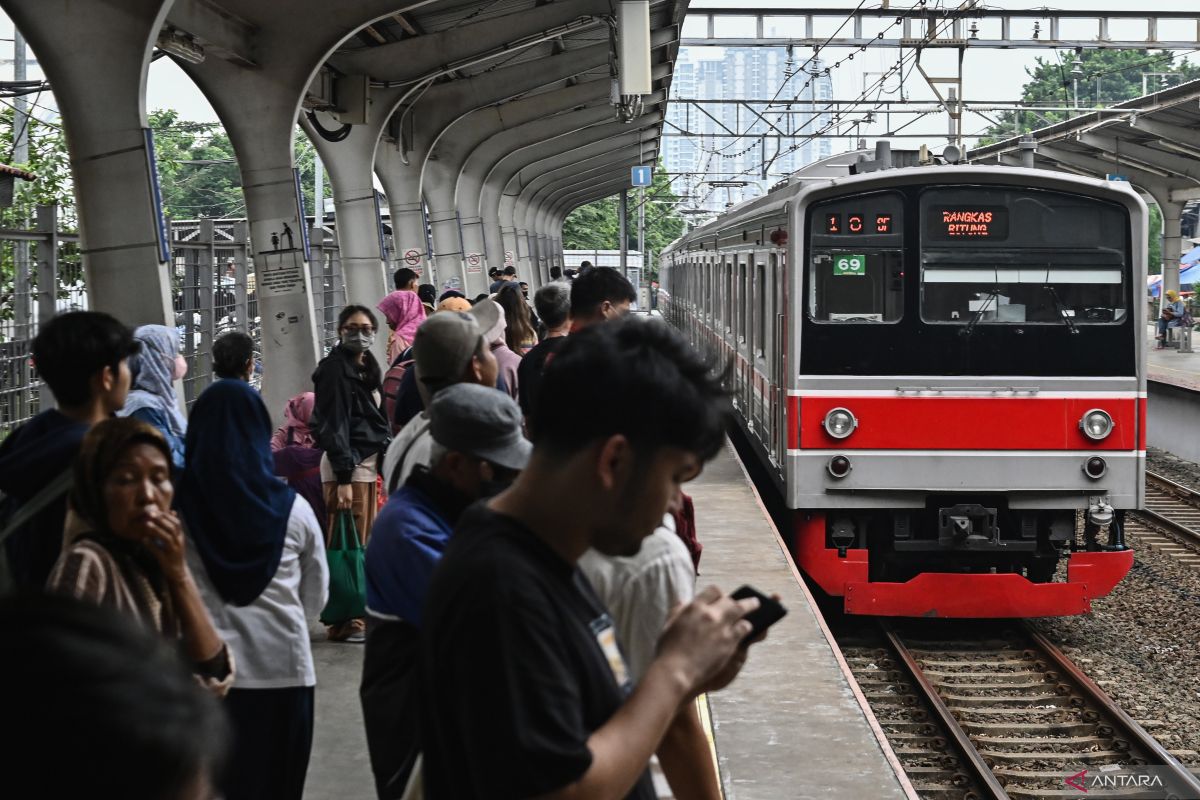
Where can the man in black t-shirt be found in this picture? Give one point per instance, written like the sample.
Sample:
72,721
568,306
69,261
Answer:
525,690
553,304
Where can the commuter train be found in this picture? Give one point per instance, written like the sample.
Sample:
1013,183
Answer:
943,368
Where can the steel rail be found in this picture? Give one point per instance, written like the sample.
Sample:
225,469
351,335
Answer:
1129,726
970,756
1187,496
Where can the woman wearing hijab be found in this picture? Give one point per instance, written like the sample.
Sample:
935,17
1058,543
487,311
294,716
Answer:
404,314
152,399
297,457
126,547
259,559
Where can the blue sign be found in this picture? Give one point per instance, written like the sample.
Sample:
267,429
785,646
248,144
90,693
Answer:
1112,176
642,176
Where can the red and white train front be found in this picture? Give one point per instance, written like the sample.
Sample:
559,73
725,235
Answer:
966,389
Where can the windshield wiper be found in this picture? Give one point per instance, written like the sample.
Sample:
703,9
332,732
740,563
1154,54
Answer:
994,294
1061,307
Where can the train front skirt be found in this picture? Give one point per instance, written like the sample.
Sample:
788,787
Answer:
960,595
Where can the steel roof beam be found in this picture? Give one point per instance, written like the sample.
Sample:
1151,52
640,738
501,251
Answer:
1168,162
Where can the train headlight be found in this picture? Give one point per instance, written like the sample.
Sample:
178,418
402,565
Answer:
1096,424
840,423
1095,468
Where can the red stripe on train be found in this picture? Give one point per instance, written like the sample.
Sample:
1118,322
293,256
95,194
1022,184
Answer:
964,423
1142,423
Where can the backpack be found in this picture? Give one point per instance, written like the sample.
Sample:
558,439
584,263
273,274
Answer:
685,528
15,516
391,389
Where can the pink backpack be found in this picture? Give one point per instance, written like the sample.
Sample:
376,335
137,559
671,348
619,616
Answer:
391,389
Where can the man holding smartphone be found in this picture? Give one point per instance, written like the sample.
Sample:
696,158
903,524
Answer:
526,692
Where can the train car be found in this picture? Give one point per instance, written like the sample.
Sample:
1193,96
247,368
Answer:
943,368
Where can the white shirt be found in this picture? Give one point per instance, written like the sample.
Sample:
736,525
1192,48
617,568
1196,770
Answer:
269,638
640,591
415,433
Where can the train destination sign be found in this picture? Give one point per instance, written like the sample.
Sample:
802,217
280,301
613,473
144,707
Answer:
858,223
950,223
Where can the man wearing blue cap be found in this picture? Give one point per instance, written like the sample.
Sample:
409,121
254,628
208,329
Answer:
477,449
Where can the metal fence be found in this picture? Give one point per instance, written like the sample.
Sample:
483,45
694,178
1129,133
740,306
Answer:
41,274
212,287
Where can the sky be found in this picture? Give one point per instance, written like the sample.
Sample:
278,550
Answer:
988,74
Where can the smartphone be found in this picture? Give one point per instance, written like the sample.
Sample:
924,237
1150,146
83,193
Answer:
769,611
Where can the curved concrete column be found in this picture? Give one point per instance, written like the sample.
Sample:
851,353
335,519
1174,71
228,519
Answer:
544,219
445,164
575,166
499,192
258,104
349,164
574,195
478,213
528,216
476,233
430,112
120,220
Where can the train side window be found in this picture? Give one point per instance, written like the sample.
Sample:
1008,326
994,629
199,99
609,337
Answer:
760,327
727,287
866,286
743,303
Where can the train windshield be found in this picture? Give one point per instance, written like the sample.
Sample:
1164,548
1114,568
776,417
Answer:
1019,256
856,267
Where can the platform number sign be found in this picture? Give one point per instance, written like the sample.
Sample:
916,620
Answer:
845,264
642,176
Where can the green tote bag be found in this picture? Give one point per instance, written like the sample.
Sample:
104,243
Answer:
347,577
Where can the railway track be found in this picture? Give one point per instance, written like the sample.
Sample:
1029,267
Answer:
1171,520
1000,712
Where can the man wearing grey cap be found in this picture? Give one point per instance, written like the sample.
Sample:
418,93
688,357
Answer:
477,449
449,348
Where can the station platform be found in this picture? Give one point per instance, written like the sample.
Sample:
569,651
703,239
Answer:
1173,367
790,726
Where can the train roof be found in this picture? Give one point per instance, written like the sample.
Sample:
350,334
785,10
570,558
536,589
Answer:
825,174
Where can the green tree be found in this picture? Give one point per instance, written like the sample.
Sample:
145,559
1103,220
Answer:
1108,77
596,226
48,159
198,168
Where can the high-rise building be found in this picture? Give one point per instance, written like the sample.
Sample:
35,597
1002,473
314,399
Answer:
797,86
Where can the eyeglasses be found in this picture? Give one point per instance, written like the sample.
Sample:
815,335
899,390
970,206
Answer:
356,329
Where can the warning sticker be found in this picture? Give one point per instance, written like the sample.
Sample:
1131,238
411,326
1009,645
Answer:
280,274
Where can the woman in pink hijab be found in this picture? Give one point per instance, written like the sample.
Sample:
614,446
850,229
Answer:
297,458
404,314
295,428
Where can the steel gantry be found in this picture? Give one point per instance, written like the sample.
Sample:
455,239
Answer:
485,122
906,24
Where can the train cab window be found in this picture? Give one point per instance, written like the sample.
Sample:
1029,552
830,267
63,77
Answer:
856,259
1000,256
856,287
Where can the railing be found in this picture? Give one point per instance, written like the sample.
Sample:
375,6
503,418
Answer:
212,288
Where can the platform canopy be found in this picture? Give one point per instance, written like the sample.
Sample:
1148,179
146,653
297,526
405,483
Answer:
1151,141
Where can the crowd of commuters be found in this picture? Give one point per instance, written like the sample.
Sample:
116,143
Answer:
529,610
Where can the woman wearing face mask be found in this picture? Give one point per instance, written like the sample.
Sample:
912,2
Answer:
351,428
126,548
153,400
